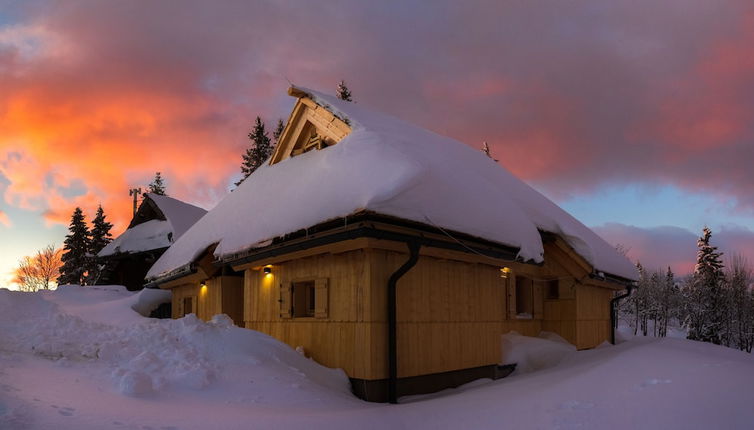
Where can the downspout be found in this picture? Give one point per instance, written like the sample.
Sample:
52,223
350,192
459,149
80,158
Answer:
392,323
614,312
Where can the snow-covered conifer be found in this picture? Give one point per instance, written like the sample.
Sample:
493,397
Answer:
706,308
75,250
100,237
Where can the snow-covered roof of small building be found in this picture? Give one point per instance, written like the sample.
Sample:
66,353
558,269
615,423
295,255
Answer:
389,167
158,223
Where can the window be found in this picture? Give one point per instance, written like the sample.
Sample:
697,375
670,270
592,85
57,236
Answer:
304,299
188,305
552,290
524,297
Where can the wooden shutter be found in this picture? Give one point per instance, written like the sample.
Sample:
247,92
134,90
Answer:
538,300
511,282
286,309
321,298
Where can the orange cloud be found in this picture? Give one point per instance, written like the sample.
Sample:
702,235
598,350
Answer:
4,220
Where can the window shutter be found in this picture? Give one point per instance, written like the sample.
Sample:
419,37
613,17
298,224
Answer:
321,298
511,282
538,300
286,310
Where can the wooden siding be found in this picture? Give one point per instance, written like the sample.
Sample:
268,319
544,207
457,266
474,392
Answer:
219,295
452,307
592,315
342,338
450,314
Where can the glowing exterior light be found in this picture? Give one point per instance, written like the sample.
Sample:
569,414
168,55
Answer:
504,272
267,270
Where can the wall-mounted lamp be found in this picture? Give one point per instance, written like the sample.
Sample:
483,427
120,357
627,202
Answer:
504,272
267,270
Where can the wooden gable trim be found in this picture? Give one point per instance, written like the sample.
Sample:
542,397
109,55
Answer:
307,114
147,211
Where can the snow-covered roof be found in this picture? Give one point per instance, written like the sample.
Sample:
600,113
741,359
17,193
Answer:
170,219
389,167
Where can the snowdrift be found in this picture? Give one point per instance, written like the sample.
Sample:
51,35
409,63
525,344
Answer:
141,356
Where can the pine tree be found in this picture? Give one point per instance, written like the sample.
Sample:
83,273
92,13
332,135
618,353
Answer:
157,186
706,307
75,249
343,92
278,131
100,238
258,152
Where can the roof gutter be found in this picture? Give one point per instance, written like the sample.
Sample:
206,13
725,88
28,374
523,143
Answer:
185,270
392,320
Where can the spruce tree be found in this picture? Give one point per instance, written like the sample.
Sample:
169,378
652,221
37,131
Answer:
278,131
258,152
707,307
100,238
75,250
157,186
343,92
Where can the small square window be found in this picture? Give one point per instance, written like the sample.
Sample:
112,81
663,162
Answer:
552,290
524,297
304,299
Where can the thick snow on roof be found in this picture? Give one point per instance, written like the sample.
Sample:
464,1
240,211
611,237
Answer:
181,215
394,168
155,233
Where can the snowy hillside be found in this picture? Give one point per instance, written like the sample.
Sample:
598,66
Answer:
82,358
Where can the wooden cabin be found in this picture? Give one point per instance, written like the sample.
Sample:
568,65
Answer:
158,222
402,305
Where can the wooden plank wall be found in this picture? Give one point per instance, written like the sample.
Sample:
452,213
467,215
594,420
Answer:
343,338
451,314
208,298
593,315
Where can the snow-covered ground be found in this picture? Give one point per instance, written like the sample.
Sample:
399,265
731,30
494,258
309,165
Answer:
82,358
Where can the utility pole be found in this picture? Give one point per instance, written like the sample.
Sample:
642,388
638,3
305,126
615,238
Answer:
134,192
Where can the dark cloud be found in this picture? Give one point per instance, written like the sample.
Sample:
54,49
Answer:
570,95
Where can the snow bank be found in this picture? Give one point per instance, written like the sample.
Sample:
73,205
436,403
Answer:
534,353
69,372
142,356
390,167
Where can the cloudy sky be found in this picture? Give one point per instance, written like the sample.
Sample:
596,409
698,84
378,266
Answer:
635,116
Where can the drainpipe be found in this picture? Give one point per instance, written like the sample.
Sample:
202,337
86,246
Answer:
392,323
614,312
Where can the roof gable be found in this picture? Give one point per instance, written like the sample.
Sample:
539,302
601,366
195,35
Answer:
158,222
309,127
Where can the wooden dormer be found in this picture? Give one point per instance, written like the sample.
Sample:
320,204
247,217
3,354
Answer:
310,127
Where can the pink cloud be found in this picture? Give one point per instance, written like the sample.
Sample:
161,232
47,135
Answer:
4,220
660,247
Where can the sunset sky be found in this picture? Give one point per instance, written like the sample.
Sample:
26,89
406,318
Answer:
634,116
